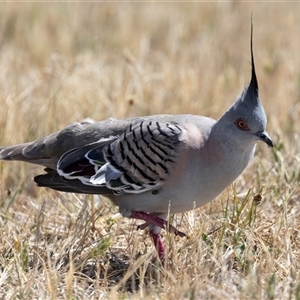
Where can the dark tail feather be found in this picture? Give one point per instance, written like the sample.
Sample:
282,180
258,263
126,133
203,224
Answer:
53,181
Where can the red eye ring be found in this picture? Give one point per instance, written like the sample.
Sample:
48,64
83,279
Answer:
241,124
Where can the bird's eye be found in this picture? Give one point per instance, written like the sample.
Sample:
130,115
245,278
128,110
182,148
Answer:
242,124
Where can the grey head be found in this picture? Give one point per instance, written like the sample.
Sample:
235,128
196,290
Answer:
246,118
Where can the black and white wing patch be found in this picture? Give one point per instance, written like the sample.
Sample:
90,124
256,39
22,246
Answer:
137,161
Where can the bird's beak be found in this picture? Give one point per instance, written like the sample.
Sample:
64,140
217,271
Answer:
264,136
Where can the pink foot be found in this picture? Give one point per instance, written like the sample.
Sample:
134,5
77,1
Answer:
153,219
159,222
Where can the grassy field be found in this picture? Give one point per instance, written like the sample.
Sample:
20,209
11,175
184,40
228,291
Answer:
60,63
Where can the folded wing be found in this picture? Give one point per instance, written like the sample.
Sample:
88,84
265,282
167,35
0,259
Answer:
138,160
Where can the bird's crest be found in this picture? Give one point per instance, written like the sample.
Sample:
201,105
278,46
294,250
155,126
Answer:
248,105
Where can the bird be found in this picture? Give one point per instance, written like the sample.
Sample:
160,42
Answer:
155,165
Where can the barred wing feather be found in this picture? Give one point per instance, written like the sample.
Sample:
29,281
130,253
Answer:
137,161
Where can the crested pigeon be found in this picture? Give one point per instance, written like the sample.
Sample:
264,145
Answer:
154,165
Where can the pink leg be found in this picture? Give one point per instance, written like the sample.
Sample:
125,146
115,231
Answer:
159,244
153,219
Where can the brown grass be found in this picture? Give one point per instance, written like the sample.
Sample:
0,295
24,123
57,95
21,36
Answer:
63,62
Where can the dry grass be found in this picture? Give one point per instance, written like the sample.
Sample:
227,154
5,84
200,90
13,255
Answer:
61,63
